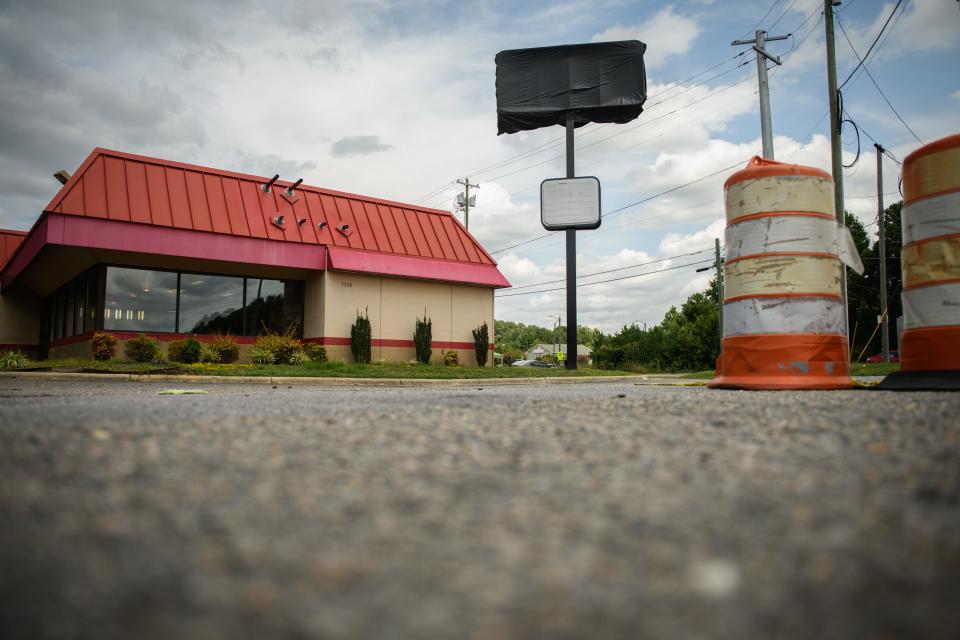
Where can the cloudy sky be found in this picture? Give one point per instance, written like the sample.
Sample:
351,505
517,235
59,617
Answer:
396,100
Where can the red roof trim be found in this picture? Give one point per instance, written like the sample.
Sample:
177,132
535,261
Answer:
343,259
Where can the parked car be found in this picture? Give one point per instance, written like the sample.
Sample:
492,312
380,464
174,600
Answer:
878,357
532,363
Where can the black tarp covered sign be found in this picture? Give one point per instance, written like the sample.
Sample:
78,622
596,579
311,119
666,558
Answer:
597,82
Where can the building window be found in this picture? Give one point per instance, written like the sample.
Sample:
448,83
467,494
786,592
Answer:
211,304
132,299
274,305
140,300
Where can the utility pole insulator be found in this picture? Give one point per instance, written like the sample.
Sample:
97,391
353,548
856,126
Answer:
757,44
464,200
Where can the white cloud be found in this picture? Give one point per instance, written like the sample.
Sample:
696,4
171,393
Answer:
666,34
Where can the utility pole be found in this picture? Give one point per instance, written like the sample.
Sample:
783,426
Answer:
766,126
836,147
884,325
465,202
718,265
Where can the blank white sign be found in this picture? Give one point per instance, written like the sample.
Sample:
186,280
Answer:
570,203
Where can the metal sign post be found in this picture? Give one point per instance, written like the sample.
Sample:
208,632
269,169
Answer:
571,363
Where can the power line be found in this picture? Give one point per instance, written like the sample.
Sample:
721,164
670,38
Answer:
632,204
872,45
874,81
760,21
785,12
561,140
590,284
598,273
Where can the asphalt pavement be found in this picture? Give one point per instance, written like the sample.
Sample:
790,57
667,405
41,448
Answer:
605,510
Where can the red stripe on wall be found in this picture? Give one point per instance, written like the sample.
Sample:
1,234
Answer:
162,337
389,342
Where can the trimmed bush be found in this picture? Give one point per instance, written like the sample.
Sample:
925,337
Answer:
226,349
13,360
282,346
184,351
209,356
360,339
104,346
423,338
299,357
481,344
142,349
451,359
259,355
317,353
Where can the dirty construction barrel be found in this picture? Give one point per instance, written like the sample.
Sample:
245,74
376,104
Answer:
930,262
783,324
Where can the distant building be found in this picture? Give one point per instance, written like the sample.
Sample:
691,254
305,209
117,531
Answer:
584,353
133,244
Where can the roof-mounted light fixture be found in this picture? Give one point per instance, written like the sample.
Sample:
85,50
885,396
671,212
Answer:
321,225
277,221
344,229
289,190
266,187
62,176
301,221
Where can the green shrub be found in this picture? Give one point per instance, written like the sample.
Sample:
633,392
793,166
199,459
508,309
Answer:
13,360
281,345
317,352
209,356
104,346
226,349
259,355
142,349
185,351
481,344
423,338
299,357
450,358
360,339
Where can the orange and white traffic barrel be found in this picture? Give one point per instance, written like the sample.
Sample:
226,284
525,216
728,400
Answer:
930,263
783,311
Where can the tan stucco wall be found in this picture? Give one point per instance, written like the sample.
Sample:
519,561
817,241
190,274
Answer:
394,304
19,319
313,305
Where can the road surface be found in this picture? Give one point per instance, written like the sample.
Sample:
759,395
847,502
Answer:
568,511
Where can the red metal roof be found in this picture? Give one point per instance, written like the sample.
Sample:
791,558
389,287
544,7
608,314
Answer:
124,187
9,241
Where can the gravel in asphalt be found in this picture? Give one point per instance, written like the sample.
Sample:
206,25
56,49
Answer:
569,511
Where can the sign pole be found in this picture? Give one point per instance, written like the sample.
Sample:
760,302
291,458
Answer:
571,361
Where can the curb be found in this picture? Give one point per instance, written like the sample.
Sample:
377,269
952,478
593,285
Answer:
347,382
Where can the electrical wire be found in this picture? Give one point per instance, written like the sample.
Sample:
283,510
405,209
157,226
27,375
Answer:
598,273
632,204
760,21
785,12
872,45
874,81
559,141
590,284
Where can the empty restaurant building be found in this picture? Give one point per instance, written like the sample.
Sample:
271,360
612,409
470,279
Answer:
133,244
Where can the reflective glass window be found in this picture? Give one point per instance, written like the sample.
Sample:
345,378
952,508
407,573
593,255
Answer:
140,300
211,304
274,305
58,313
93,284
